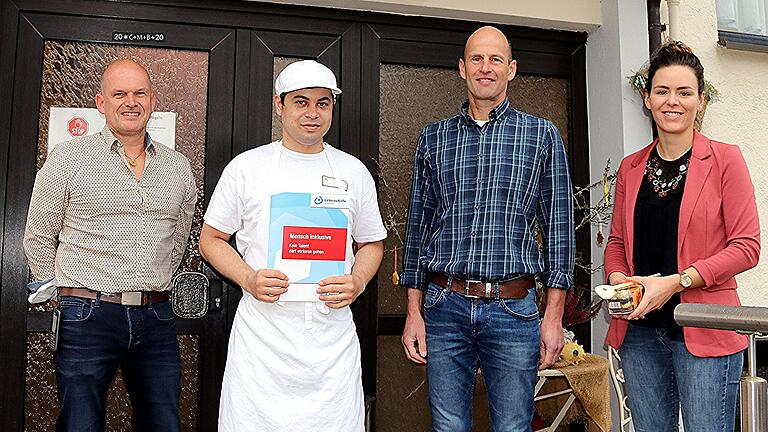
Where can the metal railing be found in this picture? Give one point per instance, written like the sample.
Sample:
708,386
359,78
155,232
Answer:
753,322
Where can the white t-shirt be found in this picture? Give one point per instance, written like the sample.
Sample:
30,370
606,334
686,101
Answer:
291,366
244,188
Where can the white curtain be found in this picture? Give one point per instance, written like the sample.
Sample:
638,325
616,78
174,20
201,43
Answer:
726,15
743,16
752,16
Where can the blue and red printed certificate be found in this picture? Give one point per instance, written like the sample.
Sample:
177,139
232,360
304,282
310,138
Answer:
307,240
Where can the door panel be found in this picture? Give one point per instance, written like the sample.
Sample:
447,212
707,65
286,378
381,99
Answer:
396,73
70,78
269,52
416,81
67,55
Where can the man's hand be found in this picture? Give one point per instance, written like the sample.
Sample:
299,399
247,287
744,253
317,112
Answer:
415,338
266,285
414,333
339,291
552,328
551,342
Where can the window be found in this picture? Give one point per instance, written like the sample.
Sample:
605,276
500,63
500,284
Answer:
743,24
742,16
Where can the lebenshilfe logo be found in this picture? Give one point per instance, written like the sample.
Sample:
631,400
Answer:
330,201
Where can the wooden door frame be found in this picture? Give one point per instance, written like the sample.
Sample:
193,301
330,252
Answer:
34,29
367,40
538,52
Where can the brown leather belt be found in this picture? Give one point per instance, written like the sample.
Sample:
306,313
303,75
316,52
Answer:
511,289
134,298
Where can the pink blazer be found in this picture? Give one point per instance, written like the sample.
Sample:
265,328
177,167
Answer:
718,234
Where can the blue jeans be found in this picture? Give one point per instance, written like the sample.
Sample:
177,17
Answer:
662,378
95,338
501,337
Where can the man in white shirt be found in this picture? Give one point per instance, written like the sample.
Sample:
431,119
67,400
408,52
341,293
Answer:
294,357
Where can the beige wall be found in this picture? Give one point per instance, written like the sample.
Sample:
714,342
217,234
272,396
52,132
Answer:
580,15
740,118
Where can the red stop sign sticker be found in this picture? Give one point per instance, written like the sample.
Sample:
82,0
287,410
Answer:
77,127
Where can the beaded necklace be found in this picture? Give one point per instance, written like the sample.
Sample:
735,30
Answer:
665,176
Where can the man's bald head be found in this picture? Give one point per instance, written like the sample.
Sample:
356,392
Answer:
487,67
126,99
120,66
485,33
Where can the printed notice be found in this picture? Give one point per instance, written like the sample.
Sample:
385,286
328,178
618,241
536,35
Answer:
307,242
65,124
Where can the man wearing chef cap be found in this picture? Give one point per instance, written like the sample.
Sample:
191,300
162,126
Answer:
293,360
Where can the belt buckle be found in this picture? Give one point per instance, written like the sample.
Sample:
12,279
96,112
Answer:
132,298
466,288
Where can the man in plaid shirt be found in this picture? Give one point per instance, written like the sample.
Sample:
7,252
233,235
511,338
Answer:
482,180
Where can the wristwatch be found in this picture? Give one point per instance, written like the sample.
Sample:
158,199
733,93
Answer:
685,280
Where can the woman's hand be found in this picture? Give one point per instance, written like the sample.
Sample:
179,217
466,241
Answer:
658,291
616,278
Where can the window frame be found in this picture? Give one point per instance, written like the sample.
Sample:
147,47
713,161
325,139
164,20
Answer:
734,39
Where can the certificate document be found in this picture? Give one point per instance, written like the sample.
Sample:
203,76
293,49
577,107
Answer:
307,240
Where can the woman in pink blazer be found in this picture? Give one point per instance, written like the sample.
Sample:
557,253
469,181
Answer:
685,209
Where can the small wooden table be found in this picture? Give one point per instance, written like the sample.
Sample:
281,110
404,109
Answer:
587,383
543,376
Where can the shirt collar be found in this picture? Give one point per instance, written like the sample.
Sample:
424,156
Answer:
114,143
498,113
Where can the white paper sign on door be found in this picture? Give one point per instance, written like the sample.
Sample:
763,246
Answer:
65,124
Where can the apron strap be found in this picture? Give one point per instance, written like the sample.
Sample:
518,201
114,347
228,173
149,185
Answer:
272,170
308,316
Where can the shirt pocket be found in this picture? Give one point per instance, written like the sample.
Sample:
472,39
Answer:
517,177
101,200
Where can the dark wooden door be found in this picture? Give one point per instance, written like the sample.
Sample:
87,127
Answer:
215,66
263,54
413,73
58,60
218,79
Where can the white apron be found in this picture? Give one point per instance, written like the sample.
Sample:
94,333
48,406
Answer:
291,366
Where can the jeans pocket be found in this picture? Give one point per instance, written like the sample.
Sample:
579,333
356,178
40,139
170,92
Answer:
434,296
524,308
162,311
75,309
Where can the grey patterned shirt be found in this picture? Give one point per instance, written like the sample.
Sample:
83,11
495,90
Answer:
92,224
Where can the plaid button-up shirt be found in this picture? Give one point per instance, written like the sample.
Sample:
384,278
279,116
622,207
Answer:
477,192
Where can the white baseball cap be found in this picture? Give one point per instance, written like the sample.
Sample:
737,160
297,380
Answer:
305,74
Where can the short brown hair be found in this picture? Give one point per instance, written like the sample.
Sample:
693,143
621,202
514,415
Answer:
675,53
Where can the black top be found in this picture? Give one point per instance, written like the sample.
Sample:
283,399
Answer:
657,212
